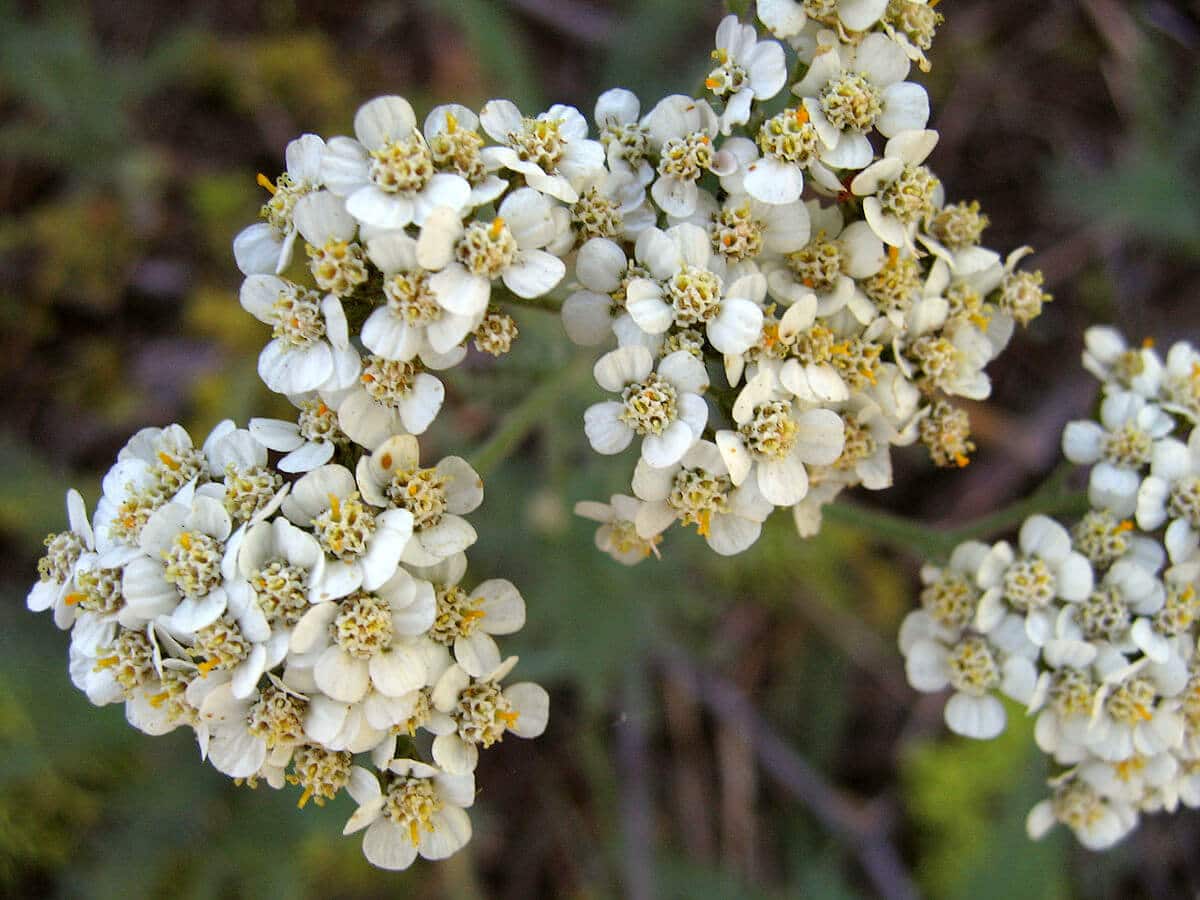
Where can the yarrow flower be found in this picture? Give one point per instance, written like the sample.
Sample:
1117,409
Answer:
1093,630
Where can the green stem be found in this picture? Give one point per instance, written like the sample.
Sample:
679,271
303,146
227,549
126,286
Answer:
547,303
937,544
522,420
928,542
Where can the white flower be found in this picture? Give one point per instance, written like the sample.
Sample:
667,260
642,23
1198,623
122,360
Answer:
366,544
743,228
368,640
1172,489
626,141
469,258
851,89
790,147
898,191
391,397
411,322
283,567
681,132
57,568
419,810
1131,717
182,571
663,406
747,70
1029,584
1096,822
308,442
266,248
452,133
1121,444
1109,357
687,289
467,620
551,151
1180,389
602,270
697,490
774,441
480,712
387,176
830,265
617,535
436,497
787,18
310,347
973,666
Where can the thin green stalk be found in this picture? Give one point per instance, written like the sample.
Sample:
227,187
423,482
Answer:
928,542
537,404
547,303
1071,505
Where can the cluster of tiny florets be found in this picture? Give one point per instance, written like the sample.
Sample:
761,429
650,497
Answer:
295,622
1094,630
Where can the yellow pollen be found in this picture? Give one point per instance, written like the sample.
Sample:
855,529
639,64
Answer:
712,83
703,521
106,663
1148,343
386,460
265,182
979,321
335,507
961,461
472,614
497,227
509,718
414,832
770,336
451,123
169,461
304,798
185,541
841,349
207,667
1144,714
74,597
413,489
1124,525
129,521
705,139
158,699
802,115
893,255
322,409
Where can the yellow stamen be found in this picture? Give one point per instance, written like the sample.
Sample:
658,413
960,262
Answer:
1148,343
207,666
304,798
497,227
386,460
185,540
335,507
157,700
451,123
472,615
1142,713
712,83
265,182
1124,525
802,114
961,460
508,718
414,832
893,254
169,461
74,597
106,663
979,321
703,522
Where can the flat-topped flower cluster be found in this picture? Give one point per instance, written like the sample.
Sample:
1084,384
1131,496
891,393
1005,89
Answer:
796,294
1093,629
296,625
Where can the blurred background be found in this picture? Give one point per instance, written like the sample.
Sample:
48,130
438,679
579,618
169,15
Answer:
719,727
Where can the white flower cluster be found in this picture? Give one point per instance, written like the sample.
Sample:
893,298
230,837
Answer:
294,625
1093,630
795,295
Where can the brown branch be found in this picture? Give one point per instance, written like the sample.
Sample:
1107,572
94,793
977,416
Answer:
637,810
863,826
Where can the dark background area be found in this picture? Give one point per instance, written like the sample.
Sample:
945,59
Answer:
686,694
